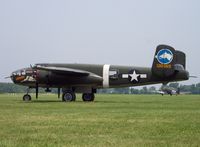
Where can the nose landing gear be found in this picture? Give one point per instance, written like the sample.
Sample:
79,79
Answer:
27,97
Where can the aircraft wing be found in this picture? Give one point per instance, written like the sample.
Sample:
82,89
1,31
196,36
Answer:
63,70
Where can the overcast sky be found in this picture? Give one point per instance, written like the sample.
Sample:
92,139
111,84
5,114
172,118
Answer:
124,32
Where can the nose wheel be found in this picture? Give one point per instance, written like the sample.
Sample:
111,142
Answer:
27,97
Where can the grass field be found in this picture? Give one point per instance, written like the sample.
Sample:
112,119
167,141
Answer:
112,120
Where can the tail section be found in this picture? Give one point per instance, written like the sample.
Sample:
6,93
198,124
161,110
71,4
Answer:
167,61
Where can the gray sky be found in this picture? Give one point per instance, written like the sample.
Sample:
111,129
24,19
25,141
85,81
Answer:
124,32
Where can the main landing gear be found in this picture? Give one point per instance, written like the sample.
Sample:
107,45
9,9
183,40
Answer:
69,96
88,97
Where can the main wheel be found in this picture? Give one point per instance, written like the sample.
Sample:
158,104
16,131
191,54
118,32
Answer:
26,97
68,96
88,97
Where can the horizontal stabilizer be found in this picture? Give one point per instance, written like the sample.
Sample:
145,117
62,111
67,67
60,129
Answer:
193,76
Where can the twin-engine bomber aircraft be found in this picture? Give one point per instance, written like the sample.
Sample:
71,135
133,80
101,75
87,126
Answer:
168,66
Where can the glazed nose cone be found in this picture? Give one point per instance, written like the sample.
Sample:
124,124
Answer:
18,76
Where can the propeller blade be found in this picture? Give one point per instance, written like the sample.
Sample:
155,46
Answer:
9,77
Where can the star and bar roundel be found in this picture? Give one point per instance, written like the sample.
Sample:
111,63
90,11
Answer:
134,76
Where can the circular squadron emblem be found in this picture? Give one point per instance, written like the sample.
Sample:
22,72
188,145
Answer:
164,56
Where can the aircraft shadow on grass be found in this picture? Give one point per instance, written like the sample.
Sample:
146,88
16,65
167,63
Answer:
95,102
79,101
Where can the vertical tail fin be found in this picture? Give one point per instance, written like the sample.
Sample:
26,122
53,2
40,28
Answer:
167,60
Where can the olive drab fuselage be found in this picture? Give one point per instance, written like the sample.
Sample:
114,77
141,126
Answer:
168,66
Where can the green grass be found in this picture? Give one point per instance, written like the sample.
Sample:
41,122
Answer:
112,120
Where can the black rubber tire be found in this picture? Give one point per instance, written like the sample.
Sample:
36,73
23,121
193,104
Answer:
26,97
88,97
68,96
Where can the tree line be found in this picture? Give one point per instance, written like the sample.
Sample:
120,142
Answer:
190,89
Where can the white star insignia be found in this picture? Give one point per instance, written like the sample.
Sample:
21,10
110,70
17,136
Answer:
134,76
